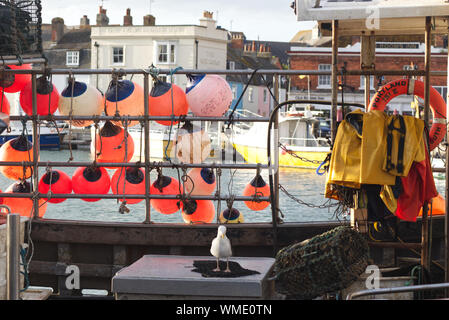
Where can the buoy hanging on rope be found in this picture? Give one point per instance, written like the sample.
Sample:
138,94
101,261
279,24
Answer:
128,181
83,100
164,101
23,206
208,95
13,83
125,97
165,185
200,182
47,98
192,144
257,188
110,145
197,211
56,181
91,180
17,150
231,216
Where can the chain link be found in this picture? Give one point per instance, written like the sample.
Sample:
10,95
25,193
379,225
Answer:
310,205
290,152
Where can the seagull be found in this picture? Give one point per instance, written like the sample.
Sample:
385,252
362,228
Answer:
221,248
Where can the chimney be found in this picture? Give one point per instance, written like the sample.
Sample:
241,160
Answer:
84,22
128,19
149,20
237,40
207,20
102,18
57,29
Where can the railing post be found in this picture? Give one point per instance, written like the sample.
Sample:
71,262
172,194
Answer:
146,88
13,256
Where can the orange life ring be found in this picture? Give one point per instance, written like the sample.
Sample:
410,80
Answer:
415,87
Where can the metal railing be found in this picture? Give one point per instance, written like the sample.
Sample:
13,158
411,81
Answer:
415,288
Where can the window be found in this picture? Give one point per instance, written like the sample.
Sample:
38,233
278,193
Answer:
250,95
324,81
442,90
117,55
265,95
166,52
72,58
231,65
371,83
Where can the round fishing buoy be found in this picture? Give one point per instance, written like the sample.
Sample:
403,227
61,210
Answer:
165,185
16,150
257,187
91,180
109,144
13,83
231,216
438,206
126,98
192,145
128,181
86,101
197,211
47,98
208,95
58,182
23,206
160,101
201,183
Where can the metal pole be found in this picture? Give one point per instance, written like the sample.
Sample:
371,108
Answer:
146,90
334,79
425,255
13,256
36,147
446,217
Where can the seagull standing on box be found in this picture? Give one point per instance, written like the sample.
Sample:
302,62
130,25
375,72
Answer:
221,248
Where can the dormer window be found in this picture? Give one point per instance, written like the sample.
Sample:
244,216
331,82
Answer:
72,58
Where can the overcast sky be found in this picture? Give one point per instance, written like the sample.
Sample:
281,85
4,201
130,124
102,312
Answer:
267,20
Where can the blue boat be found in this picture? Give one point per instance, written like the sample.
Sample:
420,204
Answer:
50,138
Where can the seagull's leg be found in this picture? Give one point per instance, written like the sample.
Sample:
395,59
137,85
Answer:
227,265
218,267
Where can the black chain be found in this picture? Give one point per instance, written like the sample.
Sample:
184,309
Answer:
325,205
283,147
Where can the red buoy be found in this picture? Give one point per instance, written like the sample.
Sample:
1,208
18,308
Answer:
257,187
16,150
201,183
23,206
58,182
198,211
165,185
47,97
128,181
13,83
91,180
109,145
166,99
125,97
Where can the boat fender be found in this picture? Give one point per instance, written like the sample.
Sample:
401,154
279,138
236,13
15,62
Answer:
257,188
134,184
56,181
91,180
161,103
197,211
165,185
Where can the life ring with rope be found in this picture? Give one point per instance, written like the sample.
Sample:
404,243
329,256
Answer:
415,87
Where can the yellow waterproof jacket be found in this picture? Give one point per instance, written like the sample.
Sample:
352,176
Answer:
359,155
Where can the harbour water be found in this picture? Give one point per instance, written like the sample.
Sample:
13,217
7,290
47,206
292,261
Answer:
301,183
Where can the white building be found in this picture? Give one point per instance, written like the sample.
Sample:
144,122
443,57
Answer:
131,46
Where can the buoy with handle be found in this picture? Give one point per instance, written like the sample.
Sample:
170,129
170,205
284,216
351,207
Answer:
47,98
12,83
257,188
23,206
128,181
200,182
167,99
438,206
231,216
91,180
165,185
17,150
197,211
57,182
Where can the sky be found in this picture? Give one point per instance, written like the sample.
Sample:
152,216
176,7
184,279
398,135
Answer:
266,20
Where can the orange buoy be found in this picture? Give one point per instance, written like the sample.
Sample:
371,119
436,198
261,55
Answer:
110,146
166,99
80,99
128,181
438,206
47,97
192,145
165,185
231,216
257,187
23,206
197,211
125,98
13,83
201,183
58,182
17,150
91,180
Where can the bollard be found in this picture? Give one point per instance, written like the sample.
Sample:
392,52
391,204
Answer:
12,256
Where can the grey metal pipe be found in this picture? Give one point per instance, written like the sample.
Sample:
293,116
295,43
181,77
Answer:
138,118
12,256
397,290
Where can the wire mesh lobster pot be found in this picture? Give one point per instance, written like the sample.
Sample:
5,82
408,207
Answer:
323,264
20,28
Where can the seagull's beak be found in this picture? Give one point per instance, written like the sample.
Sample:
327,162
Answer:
222,236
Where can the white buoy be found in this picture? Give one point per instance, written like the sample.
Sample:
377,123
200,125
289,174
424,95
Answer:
221,248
